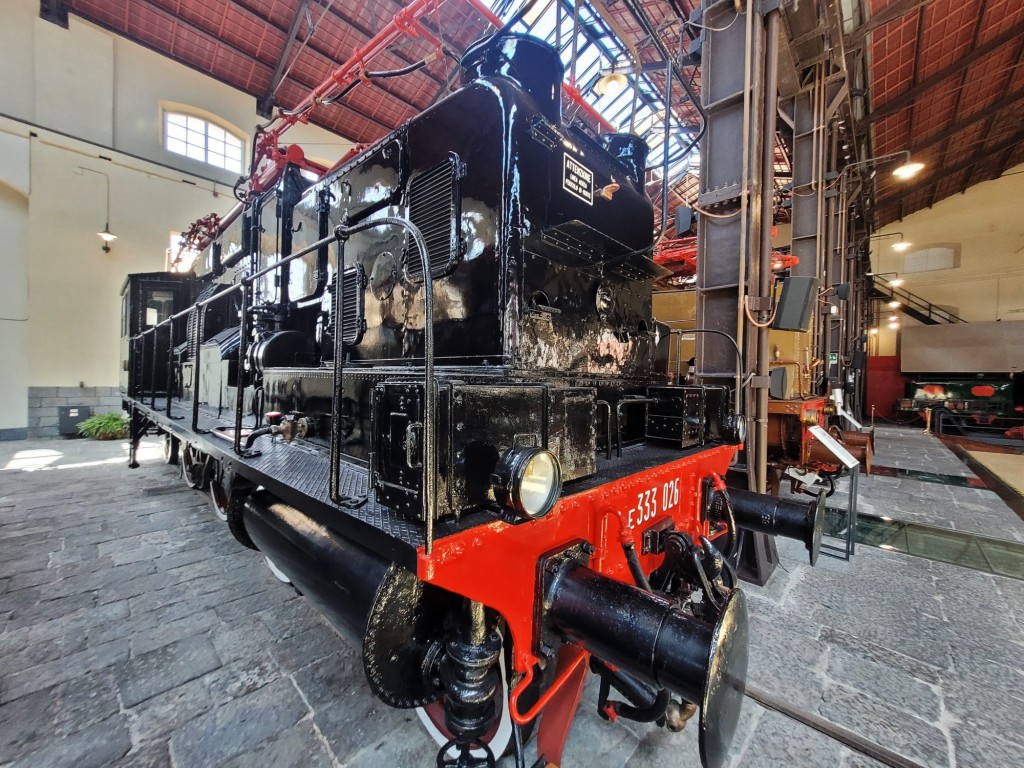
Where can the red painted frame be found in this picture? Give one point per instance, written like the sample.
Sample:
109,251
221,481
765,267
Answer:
496,564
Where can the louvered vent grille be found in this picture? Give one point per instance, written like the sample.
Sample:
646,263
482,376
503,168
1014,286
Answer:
435,206
353,323
192,325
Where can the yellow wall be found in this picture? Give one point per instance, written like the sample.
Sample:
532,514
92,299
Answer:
678,309
84,98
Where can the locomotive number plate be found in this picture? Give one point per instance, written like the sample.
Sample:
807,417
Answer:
653,501
578,180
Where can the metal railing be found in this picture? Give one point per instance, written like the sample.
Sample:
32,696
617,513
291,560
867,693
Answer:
913,303
341,234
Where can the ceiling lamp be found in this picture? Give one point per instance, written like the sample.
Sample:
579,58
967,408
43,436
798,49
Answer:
908,170
902,246
611,84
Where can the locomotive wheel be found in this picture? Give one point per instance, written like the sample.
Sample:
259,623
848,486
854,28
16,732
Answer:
498,737
194,469
233,515
218,497
171,446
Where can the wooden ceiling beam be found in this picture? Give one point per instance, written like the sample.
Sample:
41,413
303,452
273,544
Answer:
908,97
892,12
1002,100
265,103
1003,165
1005,102
313,43
960,95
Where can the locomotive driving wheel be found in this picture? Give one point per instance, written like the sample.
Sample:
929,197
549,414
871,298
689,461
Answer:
219,499
194,468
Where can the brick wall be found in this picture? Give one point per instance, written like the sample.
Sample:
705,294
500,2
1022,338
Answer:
43,403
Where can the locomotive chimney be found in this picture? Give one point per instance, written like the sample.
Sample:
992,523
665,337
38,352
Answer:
529,62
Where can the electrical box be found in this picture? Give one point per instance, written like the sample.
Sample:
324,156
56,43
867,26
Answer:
68,417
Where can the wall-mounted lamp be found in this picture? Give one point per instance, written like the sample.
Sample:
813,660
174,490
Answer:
893,305
900,245
106,235
904,171
907,170
896,281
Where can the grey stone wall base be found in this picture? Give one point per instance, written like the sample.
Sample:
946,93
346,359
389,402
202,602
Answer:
14,433
43,403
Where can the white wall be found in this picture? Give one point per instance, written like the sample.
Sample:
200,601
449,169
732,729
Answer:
83,98
987,224
13,306
989,283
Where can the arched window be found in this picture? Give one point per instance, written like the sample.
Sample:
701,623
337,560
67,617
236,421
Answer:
202,140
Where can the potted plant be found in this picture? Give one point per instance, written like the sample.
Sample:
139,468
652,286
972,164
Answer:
104,426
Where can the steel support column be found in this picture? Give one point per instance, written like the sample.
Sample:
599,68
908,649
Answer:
739,94
729,228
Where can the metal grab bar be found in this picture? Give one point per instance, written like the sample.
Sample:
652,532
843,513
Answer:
626,401
200,328
170,365
238,286
243,350
429,477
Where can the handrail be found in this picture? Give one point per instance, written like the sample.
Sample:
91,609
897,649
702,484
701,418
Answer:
916,302
341,233
243,286
429,474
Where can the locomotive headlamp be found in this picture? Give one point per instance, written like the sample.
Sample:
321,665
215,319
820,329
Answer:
529,480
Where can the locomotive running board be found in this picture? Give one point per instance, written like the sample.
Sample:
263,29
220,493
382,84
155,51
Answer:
298,472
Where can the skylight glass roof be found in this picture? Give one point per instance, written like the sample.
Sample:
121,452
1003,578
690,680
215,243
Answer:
596,50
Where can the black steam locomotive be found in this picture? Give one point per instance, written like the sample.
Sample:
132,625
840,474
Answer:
429,389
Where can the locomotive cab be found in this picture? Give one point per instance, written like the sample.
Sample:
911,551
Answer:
148,299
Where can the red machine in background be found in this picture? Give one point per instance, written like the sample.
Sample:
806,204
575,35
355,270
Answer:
679,255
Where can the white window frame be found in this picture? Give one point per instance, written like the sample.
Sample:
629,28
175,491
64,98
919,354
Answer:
199,138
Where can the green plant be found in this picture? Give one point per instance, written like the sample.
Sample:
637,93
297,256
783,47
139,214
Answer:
104,426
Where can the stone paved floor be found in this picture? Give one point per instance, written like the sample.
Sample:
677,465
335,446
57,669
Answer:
975,510
135,632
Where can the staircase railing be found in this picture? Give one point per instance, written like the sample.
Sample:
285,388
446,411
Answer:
914,304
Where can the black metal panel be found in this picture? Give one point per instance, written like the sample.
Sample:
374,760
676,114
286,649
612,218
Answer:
687,416
476,424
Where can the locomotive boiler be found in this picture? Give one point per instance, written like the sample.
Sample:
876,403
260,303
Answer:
429,389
